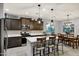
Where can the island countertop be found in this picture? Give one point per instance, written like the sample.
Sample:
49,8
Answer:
34,39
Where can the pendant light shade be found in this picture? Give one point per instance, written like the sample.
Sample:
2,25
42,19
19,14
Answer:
51,15
68,26
68,21
39,19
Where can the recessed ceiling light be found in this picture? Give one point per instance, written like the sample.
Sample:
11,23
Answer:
26,13
6,9
44,9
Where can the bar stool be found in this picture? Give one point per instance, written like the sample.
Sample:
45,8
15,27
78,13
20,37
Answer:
51,45
73,42
60,42
39,47
66,40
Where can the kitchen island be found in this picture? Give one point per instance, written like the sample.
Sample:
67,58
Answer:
30,43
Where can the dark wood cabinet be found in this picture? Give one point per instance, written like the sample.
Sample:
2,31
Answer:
13,24
16,24
37,26
13,42
26,21
34,25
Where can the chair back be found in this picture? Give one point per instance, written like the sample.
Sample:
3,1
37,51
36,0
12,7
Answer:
71,35
61,36
41,41
78,37
52,40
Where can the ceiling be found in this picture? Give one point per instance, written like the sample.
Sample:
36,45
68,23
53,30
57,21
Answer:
31,10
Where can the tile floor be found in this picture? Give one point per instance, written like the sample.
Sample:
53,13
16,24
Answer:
22,51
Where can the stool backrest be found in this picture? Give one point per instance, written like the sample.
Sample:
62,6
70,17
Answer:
78,37
52,40
41,41
61,36
71,35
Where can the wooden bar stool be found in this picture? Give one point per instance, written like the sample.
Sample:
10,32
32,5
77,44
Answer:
78,39
60,42
51,45
73,42
66,40
39,46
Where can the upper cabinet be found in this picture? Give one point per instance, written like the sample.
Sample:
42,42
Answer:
16,24
13,24
37,26
26,21
34,25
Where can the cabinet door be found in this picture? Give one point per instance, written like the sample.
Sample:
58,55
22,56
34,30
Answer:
13,42
23,21
28,21
8,24
37,26
19,24
15,24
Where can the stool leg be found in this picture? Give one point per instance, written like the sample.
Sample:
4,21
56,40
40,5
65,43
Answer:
33,52
53,50
73,45
48,51
57,50
40,52
76,45
62,48
44,52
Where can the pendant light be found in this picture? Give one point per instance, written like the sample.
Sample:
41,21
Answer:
68,23
51,24
51,16
68,26
39,19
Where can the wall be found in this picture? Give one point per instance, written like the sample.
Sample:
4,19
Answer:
12,16
1,10
76,26
58,25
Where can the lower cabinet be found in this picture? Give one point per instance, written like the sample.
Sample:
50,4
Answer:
13,42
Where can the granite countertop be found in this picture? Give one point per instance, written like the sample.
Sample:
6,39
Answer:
14,35
34,39
17,33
